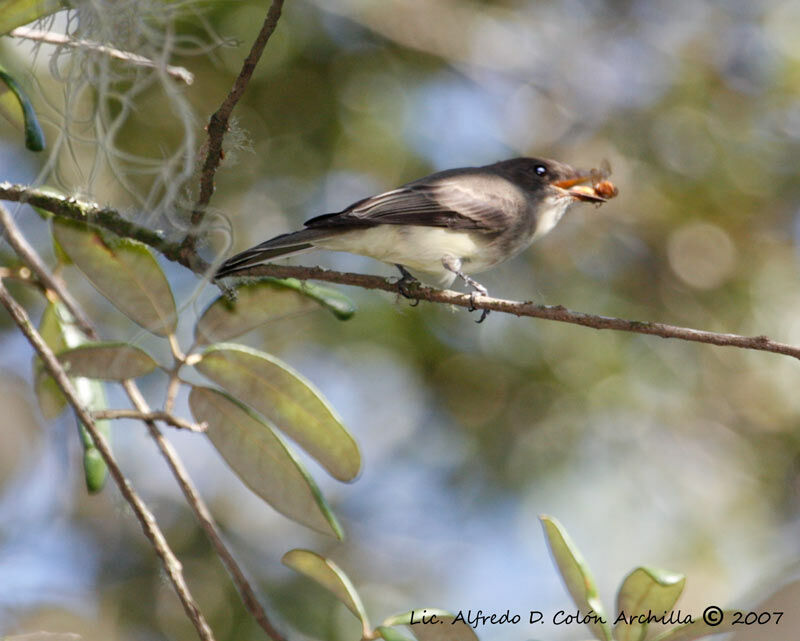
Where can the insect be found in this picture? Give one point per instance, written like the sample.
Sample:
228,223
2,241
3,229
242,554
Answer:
601,188
605,189
600,183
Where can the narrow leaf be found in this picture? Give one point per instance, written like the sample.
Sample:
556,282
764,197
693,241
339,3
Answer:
15,13
698,628
286,399
107,361
51,400
431,624
263,301
124,271
34,136
92,396
645,591
330,576
576,576
94,470
261,459
59,331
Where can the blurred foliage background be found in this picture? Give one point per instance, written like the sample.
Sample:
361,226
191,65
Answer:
677,455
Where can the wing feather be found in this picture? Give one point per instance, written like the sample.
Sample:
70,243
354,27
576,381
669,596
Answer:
447,202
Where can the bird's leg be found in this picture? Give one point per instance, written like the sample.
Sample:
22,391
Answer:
453,264
406,280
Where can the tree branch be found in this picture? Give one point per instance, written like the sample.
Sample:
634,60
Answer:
94,214
109,219
50,37
526,308
28,255
165,417
151,529
80,211
205,518
218,127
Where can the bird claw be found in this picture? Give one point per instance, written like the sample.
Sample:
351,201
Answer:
454,266
406,284
484,312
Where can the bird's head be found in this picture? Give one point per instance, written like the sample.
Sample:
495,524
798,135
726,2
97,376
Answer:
559,179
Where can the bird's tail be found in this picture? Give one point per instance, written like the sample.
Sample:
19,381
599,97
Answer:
283,245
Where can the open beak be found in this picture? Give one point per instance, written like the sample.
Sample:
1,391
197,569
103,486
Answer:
573,187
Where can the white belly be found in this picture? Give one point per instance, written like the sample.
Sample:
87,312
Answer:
416,247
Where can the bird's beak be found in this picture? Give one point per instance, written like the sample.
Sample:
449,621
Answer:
573,187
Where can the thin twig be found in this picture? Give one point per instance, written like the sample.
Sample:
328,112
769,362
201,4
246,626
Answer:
203,515
174,384
193,497
60,39
173,387
218,127
165,417
109,219
151,529
28,254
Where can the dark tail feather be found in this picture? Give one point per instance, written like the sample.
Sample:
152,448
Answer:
282,245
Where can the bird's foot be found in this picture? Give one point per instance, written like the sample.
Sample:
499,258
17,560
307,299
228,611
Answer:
477,289
406,285
454,265
483,292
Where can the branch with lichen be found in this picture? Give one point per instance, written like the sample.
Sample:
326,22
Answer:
102,217
61,40
110,220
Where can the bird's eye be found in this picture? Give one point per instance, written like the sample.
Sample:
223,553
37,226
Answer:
540,170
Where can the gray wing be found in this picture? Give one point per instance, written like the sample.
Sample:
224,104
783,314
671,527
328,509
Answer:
465,202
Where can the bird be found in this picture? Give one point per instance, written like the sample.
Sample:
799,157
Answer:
447,225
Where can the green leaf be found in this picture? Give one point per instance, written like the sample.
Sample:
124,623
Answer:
94,469
34,136
261,460
331,299
390,634
263,301
59,331
330,576
15,13
425,624
60,254
645,591
124,271
287,400
93,397
107,361
51,400
576,575
697,629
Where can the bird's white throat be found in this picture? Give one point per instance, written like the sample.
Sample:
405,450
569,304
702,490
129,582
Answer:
550,212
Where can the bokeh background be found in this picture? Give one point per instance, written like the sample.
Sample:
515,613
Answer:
649,451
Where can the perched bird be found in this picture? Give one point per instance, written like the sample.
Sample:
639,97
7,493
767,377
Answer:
450,224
